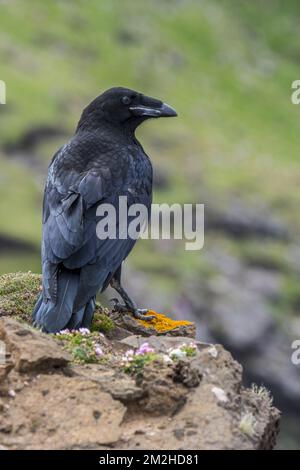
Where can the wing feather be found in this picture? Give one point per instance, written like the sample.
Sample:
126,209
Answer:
73,192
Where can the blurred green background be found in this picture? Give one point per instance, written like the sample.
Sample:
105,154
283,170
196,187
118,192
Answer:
227,68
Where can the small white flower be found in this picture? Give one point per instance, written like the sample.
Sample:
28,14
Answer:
177,353
12,393
129,353
98,350
64,332
144,349
84,331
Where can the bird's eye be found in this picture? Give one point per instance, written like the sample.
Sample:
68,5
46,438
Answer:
126,100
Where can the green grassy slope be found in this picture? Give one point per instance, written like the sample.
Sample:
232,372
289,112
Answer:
226,66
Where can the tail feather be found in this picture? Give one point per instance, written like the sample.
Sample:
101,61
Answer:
89,313
83,317
75,321
52,317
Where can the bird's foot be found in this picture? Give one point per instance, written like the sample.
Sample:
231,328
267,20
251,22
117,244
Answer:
141,314
138,313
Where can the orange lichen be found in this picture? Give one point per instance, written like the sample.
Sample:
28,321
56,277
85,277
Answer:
161,323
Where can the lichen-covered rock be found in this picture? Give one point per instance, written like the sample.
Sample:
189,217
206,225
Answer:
171,392
194,402
160,325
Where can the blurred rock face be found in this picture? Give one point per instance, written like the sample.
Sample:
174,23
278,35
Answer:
236,305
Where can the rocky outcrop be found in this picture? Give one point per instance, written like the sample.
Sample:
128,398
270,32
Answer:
240,220
30,350
88,390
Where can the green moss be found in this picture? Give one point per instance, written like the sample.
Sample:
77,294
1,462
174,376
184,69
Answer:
81,346
102,322
18,294
189,350
137,364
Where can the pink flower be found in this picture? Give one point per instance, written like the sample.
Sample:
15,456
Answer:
84,331
144,349
64,332
98,350
128,356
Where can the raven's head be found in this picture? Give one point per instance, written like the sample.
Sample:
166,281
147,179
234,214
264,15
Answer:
123,107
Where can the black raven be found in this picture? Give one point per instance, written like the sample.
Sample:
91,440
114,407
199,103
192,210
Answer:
101,162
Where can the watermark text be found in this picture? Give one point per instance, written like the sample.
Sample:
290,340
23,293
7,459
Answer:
165,222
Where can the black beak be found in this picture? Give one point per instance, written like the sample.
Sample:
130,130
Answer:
164,110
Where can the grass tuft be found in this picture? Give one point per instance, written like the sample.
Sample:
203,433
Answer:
18,294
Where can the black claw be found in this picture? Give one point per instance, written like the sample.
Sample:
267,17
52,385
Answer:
119,307
137,314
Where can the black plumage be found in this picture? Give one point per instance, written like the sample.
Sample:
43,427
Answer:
101,162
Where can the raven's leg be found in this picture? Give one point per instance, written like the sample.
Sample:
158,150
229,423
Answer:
129,303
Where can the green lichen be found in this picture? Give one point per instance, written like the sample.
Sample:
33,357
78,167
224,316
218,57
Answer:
18,294
247,424
102,322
